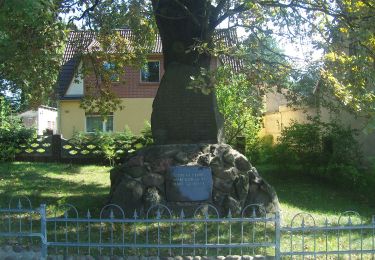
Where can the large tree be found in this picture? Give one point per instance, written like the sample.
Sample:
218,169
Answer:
31,37
341,28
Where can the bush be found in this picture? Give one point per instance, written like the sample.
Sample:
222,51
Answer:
114,146
301,144
12,132
326,150
12,136
317,144
261,150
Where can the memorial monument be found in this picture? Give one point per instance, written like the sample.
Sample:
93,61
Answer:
189,163
188,175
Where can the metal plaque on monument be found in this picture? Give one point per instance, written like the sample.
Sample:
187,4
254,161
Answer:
189,184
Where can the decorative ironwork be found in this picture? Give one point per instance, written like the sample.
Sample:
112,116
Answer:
160,231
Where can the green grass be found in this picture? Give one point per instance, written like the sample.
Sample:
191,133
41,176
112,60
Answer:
323,201
87,187
300,193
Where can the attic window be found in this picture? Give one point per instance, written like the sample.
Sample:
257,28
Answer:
150,72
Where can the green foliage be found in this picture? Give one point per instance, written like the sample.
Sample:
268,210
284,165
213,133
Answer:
349,60
240,92
31,38
261,150
12,132
11,139
301,143
239,103
146,134
325,150
113,146
319,144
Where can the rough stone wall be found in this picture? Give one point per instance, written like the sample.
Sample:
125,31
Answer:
140,182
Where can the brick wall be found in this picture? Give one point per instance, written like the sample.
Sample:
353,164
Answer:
130,85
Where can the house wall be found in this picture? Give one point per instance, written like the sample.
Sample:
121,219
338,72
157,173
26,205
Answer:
71,118
136,96
76,85
129,84
275,122
136,111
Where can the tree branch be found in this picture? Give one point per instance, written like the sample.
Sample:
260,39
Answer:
229,13
218,9
86,12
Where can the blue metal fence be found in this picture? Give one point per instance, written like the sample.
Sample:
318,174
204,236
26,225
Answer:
160,231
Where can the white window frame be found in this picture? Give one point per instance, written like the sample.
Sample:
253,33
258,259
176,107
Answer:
104,124
149,82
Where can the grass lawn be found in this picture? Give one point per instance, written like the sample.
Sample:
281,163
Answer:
316,197
87,187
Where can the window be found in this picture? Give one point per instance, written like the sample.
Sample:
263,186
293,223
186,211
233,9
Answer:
150,72
108,66
99,123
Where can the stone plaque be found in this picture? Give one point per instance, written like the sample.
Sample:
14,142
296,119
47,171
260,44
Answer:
189,183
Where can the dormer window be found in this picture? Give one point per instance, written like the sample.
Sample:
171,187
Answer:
150,72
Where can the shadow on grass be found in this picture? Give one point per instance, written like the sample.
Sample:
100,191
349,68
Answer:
41,184
316,195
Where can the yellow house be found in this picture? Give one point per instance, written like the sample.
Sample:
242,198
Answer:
136,87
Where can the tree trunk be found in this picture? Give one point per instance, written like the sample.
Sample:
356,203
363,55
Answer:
181,115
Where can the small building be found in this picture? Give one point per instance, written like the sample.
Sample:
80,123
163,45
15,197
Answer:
43,119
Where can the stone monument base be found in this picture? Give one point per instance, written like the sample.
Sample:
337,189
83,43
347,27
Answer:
142,181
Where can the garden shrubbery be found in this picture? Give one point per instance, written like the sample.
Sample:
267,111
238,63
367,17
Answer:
114,146
12,132
328,151
11,138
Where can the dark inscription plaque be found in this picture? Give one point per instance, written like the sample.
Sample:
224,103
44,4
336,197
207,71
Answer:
189,183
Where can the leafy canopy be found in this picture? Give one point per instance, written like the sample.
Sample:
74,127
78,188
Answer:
31,37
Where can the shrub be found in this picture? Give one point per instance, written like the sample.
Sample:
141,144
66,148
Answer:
12,136
113,146
12,132
326,150
261,150
300,143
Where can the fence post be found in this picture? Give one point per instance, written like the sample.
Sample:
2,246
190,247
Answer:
56,148
43,230
278,235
